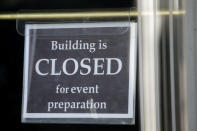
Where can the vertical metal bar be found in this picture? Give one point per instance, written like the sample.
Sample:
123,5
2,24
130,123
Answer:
172,67
157,32
141,92
150,66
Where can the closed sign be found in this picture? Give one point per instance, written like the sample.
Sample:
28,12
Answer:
79,72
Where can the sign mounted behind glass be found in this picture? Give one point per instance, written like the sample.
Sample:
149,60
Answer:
80,73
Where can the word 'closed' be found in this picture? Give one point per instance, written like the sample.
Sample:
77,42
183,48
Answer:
95,66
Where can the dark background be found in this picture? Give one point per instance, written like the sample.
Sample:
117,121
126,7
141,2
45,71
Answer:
11,63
